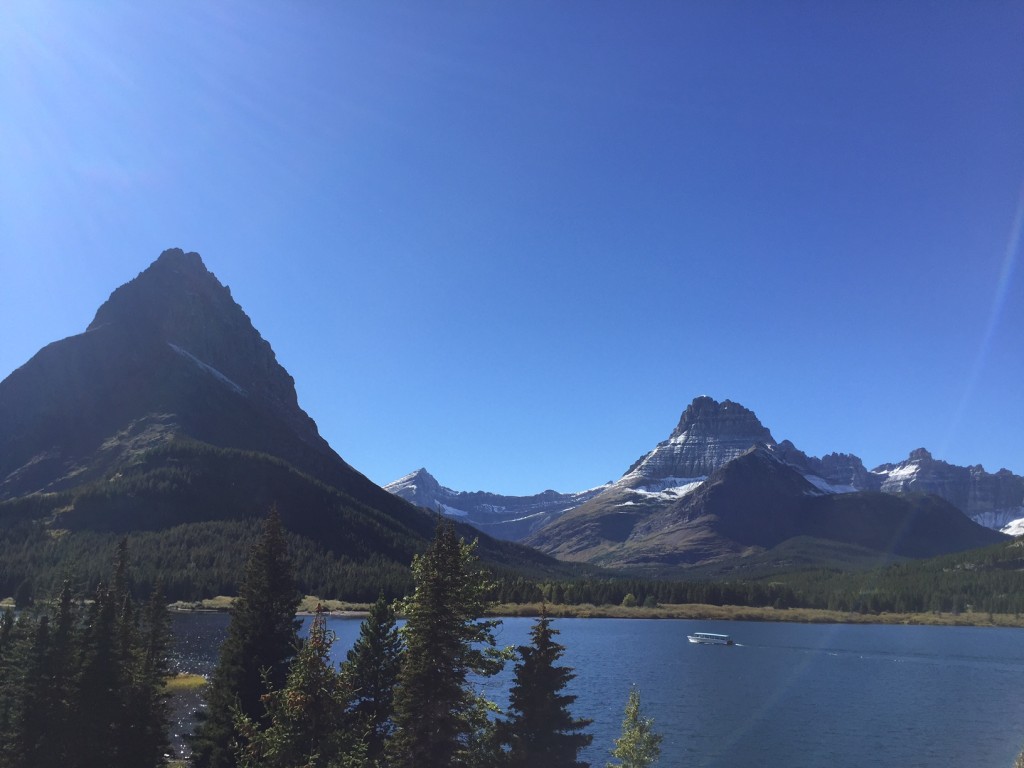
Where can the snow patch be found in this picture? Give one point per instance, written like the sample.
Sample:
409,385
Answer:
208,368
824,485
452,511
1014,527
668,488
904,472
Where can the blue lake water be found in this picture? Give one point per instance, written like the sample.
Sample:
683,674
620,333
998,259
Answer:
794,695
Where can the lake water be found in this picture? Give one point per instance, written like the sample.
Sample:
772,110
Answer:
794,695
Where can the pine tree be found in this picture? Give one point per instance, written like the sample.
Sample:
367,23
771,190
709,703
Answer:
436,710
371,671
639,746
98,707
261,642
145,742
541,730
306,717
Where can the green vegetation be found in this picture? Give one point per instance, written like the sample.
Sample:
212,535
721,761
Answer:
83,686
540,730
261,642
639,746
438,716
371,671
304,721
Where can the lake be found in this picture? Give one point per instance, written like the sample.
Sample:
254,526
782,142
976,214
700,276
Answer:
794,695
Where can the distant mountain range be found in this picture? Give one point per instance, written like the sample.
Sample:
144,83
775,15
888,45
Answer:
170,410
512,518
721,486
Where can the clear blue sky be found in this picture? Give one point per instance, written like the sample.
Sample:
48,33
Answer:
511,241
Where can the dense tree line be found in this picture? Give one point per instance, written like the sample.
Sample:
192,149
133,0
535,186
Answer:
81,684
984,580
192,562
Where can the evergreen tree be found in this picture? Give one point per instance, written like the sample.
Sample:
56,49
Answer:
306,717
30,722
260,644
99,709
541,730
436,710
74,694
639,746
371,671
145,742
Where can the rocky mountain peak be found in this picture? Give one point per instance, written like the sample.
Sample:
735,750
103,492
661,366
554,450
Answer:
706,417
177,302
709,434
920,454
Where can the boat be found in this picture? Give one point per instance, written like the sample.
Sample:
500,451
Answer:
710,638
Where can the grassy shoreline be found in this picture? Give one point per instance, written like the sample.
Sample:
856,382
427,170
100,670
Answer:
745,613
694,611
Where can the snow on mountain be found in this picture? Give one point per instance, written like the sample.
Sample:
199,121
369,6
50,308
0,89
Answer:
709,435
504,517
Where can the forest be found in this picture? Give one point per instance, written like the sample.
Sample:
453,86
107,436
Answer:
82,683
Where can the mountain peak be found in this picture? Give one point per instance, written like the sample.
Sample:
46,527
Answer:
174,291
177,302
169,347
709,434
706,416
920,454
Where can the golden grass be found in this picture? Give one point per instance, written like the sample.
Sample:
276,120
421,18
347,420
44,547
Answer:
743,613
218,603
309,603
184,682
669,611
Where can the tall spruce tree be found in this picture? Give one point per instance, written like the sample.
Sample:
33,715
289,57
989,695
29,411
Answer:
99,707
306,717
437,712
260,644
639,746
145,743
371,671
540,729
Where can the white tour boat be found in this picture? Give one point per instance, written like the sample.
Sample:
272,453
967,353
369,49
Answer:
710,638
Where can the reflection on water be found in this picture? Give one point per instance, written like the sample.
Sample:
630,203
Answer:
803,696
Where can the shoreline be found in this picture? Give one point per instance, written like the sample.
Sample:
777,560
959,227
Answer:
686,611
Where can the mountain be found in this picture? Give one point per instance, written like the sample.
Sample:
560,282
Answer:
171,409
510,518
709,436
748,506
993,500
721,487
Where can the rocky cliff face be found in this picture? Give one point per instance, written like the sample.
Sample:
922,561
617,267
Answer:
178,302
709,435
993,500
833,473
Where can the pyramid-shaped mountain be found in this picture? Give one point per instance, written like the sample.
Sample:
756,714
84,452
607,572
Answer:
171,409
169,355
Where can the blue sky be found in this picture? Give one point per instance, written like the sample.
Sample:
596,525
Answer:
511,241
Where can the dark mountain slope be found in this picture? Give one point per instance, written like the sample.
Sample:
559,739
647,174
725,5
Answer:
748,506
172,410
